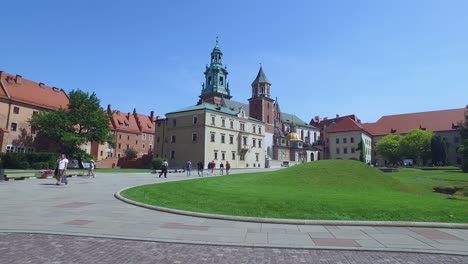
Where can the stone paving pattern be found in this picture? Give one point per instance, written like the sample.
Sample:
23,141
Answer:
86,206
39,248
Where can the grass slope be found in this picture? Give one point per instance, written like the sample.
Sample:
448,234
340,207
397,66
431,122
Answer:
330,189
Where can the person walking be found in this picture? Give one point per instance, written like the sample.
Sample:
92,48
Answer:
56,171
221,168
164,166
213,165
200,169
91,169
228,166
188,166
63,164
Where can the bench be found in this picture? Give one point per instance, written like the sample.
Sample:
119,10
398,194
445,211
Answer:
19,176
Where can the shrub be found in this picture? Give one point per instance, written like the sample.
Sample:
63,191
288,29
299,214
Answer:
23,165
157,163
37,166
13,160
131,153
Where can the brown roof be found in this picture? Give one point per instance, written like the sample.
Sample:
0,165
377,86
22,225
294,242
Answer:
145,122
26,91
442,120
324,123
124,122
345,124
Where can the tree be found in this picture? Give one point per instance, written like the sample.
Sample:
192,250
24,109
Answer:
131,153
84,121
389,147
439,150
416,145
464,145
362,148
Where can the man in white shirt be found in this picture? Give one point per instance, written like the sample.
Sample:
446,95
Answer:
63,164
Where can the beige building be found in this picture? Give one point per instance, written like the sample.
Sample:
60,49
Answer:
206,132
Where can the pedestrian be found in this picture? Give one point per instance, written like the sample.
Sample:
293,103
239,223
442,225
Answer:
213,165
56,171
189,168
91,169
221,168
228,166
164,166
63,164
200,168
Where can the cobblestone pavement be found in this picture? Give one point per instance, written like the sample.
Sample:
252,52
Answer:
57,249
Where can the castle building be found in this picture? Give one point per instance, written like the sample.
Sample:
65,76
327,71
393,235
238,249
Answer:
220,129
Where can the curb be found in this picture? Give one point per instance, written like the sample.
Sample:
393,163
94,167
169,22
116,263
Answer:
227,244
290,221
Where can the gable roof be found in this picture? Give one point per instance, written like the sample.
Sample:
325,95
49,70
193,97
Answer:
124,122
145,123
346,124
26,91
324,123
441,120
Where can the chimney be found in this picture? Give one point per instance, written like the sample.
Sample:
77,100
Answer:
128,116
41,85
151,115
109,110
9,79
337,115
134,110
317,119
19,78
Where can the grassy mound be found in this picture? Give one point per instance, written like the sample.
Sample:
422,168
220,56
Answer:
330,189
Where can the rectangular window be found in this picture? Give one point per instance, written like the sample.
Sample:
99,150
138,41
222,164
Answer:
254,129
244,140
242,126
223,122
150,147
337,141
242,156
120,136
353,150
337,151
352,140
345,150
212,135
143,136
136,142
223,137
150,137
259,143
233,155
213,120
195,120
259,130
256,156
345,140
15,110
232,123
143,146
173,154
254,142
223,155
174,122
173,139
120,146
231,139
194,137
128,146
216,155
128,137
14,126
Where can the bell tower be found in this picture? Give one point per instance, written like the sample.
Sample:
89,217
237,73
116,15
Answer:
216,85
260,104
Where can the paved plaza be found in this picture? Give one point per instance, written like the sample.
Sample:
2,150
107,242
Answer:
87,208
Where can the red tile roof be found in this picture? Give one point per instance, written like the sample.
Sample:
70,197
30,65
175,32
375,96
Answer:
38,94
327,122
124,122
145,123
442,120
345,124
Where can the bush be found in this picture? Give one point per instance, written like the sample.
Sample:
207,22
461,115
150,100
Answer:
157,163
131,153
14,160
23,165
37,166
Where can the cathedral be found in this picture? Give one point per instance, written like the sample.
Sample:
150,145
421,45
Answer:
219,129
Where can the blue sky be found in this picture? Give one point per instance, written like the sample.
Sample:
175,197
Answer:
370,58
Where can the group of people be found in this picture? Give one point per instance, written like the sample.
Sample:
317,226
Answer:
200,167
60,173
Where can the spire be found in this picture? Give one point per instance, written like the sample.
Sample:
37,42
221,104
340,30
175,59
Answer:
261,77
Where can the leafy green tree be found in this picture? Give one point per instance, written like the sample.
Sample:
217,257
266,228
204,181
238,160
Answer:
464,146
389,147
362,148
439,150
84,121
416,145
130,153
157,162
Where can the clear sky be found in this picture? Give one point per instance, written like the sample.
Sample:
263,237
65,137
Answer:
370,58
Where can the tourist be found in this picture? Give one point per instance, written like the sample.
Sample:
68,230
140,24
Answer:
63,164
164,166
200,168
228,166
221,168
189,168
91,169
56,171
213,165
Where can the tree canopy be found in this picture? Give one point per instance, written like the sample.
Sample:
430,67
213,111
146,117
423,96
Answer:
416,145
390,148
84,121
464,144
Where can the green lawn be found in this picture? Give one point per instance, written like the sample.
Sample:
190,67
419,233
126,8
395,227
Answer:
331,189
